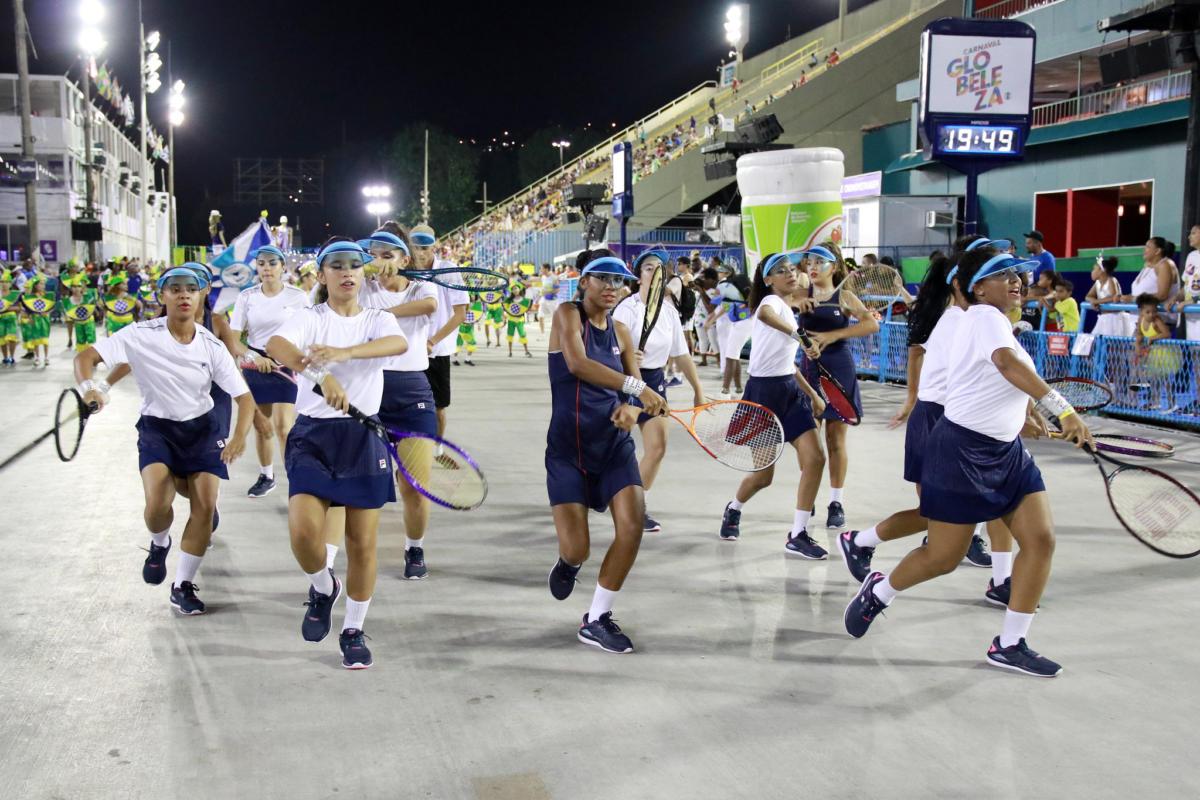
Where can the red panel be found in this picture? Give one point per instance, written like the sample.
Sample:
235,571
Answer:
1094,218
1050,217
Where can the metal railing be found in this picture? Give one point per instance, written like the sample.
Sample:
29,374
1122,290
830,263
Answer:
1175,86
1009,8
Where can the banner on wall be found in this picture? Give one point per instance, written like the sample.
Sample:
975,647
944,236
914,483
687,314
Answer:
979,75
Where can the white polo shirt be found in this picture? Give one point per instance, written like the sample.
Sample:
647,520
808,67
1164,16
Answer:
261,316
415,329
935,372
666,339
772,352
978,397
174,378
447,300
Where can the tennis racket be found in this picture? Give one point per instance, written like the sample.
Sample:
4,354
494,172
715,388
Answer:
1129,445
70,417
438,469
463,279
877,287
654,301
831,388
1082,394
737,433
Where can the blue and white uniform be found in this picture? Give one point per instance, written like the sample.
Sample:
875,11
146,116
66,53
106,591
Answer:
407,403
931,391
772,381
837,357
588,459
328,454
665,341
260,316
177,427
976,468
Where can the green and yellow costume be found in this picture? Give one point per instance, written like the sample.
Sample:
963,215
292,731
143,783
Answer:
515,310
494,302
83,315
37,312
9,304
466,331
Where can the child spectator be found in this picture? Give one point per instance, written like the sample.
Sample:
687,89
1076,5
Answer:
1157,360
1066,310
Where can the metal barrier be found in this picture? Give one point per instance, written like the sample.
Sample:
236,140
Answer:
1175,86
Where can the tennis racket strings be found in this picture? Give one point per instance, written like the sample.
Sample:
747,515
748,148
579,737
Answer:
1159,511
441,471
744,436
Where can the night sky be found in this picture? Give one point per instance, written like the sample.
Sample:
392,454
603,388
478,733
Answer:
291,79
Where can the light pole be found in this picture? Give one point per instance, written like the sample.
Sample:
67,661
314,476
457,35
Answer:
378,204
174,118
737,29
149,62
560,146
34,250
91,43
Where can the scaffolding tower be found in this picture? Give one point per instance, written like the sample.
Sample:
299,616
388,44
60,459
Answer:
263,181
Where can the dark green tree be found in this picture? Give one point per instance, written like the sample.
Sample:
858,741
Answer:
454,183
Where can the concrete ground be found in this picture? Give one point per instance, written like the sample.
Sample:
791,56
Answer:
744,683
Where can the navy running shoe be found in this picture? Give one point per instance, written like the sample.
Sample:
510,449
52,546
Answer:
414,564
675,381
977,554
865,607
183,598
999,595
650,524
262,487
605,634
858,559
317,620
355,653
731,523
154,568
836,517
804,546
562,579
1019,658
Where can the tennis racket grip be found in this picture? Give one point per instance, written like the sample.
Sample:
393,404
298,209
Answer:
352,410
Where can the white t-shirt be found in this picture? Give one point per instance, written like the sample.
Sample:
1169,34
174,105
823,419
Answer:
978,397
447,300
1191,293
666,339
935,366
174,378
415,329
773,353
261,316
362,378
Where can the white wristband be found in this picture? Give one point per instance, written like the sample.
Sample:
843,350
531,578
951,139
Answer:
104,387
87,386
633,386
1054,405
315,374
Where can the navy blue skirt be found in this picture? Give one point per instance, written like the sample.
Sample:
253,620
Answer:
656,379
408,402
840,363
338,460
222,409
970,477
186,448
269,387
783,396
916,437
567,482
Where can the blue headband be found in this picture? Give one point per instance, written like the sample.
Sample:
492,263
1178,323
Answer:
999,244
819,252
775,260
188,270
661,255
608,265
1001,263
342,247
385,238
423,239
269,249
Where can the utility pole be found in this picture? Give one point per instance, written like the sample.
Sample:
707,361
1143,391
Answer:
484,201
89,208
425,191
141,196
31,219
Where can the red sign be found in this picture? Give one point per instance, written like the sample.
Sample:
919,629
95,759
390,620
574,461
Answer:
1059,345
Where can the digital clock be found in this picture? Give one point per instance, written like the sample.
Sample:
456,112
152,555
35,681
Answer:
978,140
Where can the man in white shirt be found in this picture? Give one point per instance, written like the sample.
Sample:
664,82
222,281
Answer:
443,323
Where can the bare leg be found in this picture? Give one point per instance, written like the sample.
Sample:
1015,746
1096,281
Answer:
202,493
839,460
948,543
362,527
306,524
158,486
262,444
1033,528
654,442
571,525
628,509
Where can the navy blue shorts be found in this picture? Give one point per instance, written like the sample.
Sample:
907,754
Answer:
840,363
970,477
408,402
656,379
783,396
269,387
338,460
186,448
916,435
222,409
566,482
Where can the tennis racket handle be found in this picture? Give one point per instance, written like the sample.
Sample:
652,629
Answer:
351,409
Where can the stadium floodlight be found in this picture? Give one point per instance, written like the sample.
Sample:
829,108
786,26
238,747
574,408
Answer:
91,12
377,190
152,40
91,42
737,26
560,145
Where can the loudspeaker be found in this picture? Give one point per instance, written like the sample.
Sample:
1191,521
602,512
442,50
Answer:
760,130
87,230
579,193
725,168
1151,57
1116,66
1182,47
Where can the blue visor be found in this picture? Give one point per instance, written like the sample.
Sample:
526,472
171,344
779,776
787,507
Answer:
999,244
819,252
781,258
188,271
268,250
609,265
1002,263
422,239
384,238
661,255
351,248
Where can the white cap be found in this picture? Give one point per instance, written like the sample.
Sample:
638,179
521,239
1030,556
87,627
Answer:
282,219
214,213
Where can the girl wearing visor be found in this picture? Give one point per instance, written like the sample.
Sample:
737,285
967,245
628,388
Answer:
407,403
975,467
258,313
332,460
776,383
181,444
665,345
828,324
591,461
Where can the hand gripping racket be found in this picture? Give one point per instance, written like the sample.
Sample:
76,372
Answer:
70,417
464,279
831,388
654,301
737,433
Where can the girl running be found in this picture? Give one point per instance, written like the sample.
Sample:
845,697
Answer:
591,461
181,448
777,384
976,469
332,460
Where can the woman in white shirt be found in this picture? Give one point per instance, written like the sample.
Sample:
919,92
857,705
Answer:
976,468
331,459
776,383
181,443
258,313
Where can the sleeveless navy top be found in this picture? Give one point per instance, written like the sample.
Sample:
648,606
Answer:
827,318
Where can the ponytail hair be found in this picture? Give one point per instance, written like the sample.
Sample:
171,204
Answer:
759,290
932,299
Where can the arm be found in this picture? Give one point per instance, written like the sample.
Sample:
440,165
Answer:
1093,298
417,308
382,347
1166,276
626,414
1022,376
916,357
814,397
593,372
460,312
688,367
236,444
86,362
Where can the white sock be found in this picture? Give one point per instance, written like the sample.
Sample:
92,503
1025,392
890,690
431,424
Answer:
884,591
800,521
835,495
331,551
413,542
868,538
980,528
187,568
735,504
602,603
1016,627
1001,567
161,539
267,472
356,614
322,581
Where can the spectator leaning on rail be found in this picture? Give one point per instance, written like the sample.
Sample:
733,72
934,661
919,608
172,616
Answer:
1159,277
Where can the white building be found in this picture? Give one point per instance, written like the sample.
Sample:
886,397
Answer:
57,106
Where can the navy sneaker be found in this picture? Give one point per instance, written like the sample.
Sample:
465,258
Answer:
183,598
317,620
650,524
999,595
154,568
977,554
675,381
562,579
864,608
605,634
804,546
1019,658
731,523
858,559
262,487
836,517
355,653
414,564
